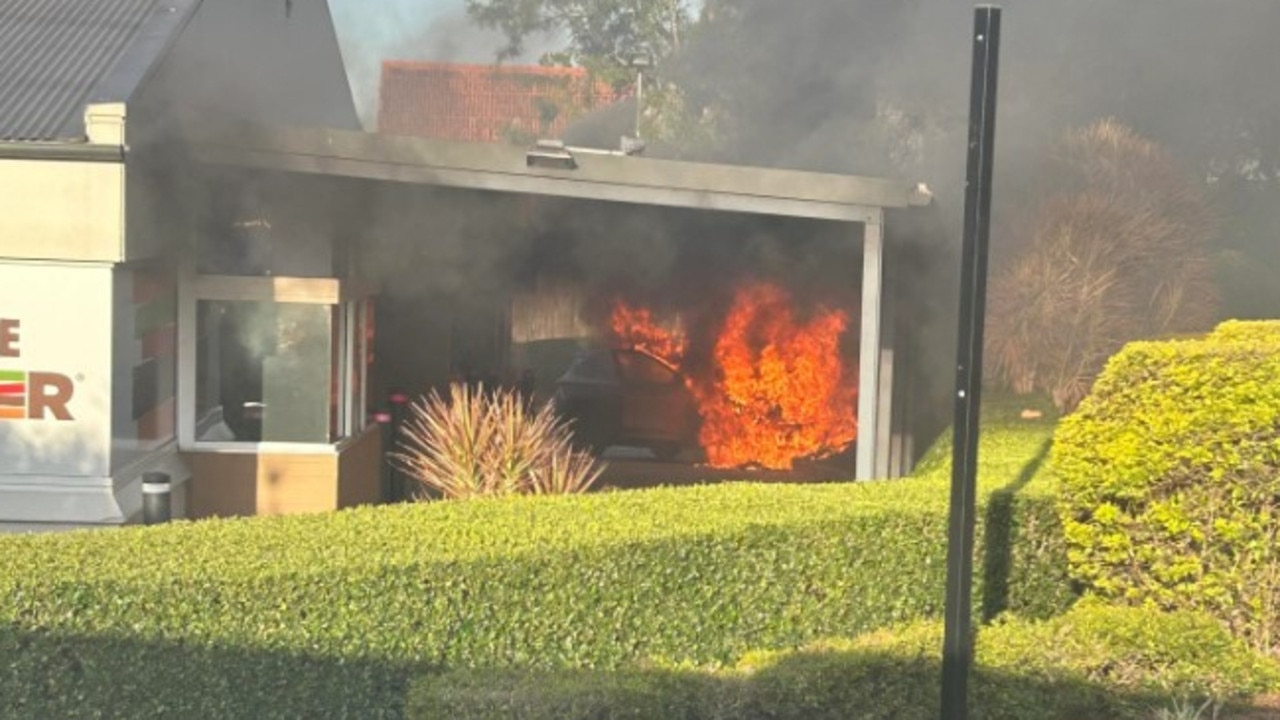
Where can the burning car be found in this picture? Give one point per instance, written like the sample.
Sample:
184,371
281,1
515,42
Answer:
628,397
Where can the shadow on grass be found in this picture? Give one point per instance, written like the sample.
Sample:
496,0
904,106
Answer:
997,555
44,675
811,685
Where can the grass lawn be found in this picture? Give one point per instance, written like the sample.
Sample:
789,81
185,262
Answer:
1012,450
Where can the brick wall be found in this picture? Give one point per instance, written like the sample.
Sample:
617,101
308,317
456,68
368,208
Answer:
484,103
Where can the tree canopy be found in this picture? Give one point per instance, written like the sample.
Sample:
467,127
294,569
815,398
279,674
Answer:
594,31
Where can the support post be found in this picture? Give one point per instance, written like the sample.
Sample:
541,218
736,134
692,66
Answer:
957,652
399,403
869,346
886,415
386,470
188,355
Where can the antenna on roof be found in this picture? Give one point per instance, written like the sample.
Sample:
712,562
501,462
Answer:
639,62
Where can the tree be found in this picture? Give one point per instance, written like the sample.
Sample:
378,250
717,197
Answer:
1117,249
597,32
607,37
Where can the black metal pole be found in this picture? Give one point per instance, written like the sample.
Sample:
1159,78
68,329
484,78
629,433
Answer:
957,646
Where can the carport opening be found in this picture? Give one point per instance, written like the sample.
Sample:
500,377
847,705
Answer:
633,318
489,270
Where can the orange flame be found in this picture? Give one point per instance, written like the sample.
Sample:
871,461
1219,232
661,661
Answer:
781,391
635,327
778,389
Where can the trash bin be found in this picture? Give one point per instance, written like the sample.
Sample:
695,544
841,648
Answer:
157,498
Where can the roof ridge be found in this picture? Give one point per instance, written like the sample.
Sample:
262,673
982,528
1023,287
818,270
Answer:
497,68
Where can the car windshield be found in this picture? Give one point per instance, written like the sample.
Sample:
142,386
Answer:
596,367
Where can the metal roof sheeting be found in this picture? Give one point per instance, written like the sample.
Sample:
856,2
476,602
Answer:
499,167
52,54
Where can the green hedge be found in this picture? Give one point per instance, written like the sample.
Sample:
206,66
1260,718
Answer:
1249,331
1170,475
344,604
1093,662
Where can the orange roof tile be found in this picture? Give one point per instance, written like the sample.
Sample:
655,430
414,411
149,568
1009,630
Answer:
483,103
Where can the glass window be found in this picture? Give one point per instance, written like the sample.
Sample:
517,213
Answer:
644,370
594,367
264,372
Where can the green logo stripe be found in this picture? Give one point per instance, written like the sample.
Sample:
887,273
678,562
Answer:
154,315
12,376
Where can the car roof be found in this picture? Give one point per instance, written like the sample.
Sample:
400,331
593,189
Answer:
615,349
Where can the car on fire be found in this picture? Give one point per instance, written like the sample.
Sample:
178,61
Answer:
627,397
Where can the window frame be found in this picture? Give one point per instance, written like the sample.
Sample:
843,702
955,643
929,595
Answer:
346,335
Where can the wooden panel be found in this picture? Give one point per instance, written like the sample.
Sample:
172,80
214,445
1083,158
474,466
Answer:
236,484
321,291
360,470
290,484
221,485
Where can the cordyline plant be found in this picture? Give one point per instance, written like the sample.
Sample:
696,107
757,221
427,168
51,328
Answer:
1116,251
481,443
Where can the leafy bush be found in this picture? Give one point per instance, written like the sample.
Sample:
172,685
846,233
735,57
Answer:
659,694
345,604
490,442
1170,475
1116,250
1012,455
1249,331
1093,662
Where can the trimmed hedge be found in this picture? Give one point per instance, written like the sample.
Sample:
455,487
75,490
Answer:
1093,662
1247,331
568,694
1170,475
326,615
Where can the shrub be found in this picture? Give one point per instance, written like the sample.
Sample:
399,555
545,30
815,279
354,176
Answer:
1116,250
1093,662
314,616
1247,331
490,442
655,694
1170,475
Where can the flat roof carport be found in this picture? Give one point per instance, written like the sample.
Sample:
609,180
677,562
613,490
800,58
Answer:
624,179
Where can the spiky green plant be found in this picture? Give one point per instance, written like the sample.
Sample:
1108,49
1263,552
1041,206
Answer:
481,443
1188,711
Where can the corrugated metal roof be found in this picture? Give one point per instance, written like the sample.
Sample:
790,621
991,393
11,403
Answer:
52,54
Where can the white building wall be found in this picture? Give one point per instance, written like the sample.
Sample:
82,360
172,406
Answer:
61,210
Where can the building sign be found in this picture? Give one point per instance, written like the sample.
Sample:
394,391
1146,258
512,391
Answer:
30,395
55,371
